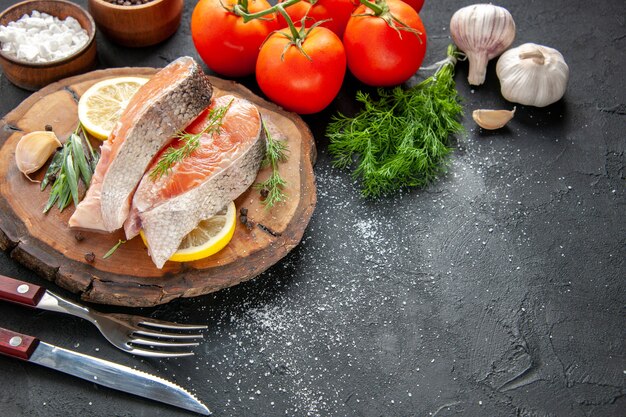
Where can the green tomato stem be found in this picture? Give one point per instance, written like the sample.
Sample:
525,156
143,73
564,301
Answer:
243,12
381,10
378,8
292,28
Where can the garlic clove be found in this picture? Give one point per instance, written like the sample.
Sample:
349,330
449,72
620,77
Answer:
34,149
492,119
533,75
482,32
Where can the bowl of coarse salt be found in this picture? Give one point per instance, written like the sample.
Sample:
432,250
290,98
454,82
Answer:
45,41
137,23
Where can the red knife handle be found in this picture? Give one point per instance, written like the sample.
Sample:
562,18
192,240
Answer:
20,292
17,345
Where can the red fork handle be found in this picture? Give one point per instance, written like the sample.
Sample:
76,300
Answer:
16,344
20,292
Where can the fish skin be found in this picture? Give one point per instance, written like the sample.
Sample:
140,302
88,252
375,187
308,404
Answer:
164,112
175,108
166,224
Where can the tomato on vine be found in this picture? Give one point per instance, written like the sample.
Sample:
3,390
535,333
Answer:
385,42
225,43
337,12
301,69
295,11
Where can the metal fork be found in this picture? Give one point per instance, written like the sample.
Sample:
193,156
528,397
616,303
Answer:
130,333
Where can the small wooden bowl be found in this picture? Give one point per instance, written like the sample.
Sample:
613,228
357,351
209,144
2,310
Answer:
32,76
137,26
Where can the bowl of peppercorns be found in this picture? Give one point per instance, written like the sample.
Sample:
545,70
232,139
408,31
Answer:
137,23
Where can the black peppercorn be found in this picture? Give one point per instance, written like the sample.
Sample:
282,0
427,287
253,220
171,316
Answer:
90,257
128,2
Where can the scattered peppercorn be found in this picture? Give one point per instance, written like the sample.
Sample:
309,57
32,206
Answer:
79,237
243,218
265,192
90,257
48,128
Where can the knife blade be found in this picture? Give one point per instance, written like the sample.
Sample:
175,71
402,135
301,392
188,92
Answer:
98,371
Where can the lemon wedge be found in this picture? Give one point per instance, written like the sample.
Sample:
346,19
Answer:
101,106
209,237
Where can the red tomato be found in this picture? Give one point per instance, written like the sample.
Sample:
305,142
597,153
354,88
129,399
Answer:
338,11
416,4
225,43
297,83
296,12
379,55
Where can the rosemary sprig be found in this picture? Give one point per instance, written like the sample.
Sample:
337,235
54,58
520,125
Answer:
402,138
272,188
190,143
75,162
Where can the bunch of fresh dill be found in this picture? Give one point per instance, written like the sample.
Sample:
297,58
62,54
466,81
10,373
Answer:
402,138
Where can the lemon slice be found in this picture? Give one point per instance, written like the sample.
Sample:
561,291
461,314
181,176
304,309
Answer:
101,106
209,237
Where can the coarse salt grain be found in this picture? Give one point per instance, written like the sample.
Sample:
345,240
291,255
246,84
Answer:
42,38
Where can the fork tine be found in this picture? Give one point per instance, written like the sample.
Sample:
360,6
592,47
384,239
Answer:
157,353
153,342
168,335
159,324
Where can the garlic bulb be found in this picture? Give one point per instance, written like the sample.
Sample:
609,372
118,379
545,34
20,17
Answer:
533,75
34,149
482,31
492,119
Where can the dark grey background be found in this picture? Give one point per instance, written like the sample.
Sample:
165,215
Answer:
498,291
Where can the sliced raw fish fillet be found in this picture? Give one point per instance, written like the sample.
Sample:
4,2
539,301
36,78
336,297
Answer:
226,163
167,103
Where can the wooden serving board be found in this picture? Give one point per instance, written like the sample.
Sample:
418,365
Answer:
44,242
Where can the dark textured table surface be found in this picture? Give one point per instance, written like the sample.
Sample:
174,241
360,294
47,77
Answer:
498,291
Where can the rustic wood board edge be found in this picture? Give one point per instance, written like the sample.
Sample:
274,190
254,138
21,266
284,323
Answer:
127,290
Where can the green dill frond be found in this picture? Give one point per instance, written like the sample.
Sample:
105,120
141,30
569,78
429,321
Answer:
191,142
402,137
275,153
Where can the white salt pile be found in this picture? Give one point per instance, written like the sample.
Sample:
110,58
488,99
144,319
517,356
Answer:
41,38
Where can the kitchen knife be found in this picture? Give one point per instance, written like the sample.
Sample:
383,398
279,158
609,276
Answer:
98,371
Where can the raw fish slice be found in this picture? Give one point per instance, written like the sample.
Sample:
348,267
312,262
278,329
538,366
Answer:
223,167
167,103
